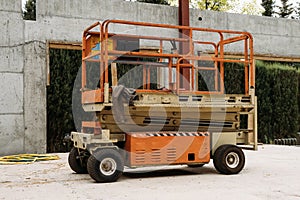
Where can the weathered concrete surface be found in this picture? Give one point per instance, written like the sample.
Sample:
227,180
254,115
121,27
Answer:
270,173
35,97
11,78
11,59
273,36
11,133
23,52
11,99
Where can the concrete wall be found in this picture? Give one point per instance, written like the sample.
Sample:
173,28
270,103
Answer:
65,20
11,78
23,53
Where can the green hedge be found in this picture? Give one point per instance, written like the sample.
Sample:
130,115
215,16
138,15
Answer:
64,65
277,88
298,97
277,91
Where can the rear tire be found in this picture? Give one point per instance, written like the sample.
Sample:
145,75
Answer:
229,159
77,162
105,165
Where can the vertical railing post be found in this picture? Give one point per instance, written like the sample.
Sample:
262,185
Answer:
246,67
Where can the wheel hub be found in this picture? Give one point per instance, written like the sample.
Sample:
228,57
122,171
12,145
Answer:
232,160
108,166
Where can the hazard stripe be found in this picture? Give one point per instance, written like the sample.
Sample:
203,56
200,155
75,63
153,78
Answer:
172,134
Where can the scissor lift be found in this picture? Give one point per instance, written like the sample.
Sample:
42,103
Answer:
159,100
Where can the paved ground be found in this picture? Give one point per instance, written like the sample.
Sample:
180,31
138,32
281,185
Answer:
273,172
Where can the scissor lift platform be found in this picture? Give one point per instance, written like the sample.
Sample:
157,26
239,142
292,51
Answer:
166,117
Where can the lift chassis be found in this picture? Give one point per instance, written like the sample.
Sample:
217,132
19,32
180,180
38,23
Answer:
167,117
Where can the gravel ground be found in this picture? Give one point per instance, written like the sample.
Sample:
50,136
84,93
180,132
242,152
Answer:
273,172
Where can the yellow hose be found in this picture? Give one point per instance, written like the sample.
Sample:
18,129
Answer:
26,158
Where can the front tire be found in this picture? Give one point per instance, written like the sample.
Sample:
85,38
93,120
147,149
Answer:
105,165
229,159
78,162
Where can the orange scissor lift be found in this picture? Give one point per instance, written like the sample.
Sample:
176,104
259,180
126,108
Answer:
160,100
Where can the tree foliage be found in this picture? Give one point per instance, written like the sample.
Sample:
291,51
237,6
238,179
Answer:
235,6
216,5
252,8
269,6
286,9
297,11
163,2
30,10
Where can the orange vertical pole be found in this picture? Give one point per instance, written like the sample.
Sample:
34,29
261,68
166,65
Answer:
222,69
221,45
191,46
193,75
177,77
148,78
102,57
160,49
184,47
216,71
170,72
83,70
191,50
252,68
184,16
246,68
144,77
106,57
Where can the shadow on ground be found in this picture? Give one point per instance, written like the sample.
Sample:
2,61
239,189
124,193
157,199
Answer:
186,171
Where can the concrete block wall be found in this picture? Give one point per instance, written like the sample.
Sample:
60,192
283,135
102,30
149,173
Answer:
23,52
11,78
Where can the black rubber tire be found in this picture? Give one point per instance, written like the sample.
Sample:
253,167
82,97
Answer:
76,164
94,162
221,159
196,165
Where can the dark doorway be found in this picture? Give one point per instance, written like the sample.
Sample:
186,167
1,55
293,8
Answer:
64,66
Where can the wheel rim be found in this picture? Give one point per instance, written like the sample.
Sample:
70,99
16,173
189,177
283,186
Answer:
108,166
232,160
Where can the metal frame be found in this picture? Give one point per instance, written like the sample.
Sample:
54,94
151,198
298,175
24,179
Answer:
219,56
